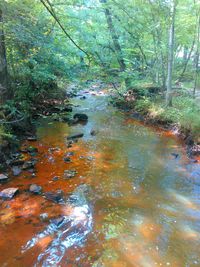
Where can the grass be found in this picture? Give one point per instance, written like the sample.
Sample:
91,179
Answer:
185,112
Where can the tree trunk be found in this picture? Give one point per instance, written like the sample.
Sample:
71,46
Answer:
115,39
197,59
3,64
170,54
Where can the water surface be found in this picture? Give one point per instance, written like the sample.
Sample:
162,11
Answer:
144,202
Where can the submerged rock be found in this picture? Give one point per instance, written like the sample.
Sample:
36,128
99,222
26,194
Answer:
9,193
75,136
34,188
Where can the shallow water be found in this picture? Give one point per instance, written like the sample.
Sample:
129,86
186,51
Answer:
144,202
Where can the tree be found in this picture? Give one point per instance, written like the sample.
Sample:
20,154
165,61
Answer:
170,53
3,63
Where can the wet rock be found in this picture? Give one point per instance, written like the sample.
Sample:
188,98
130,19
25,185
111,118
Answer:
3,177
28,165
54,149
83,97
75,136
67,160
68,174
193,160
44,217
32,138
55,178
69,154
80,117
16,170
9,193
34,188
57,221
17,162
93,132
32,149
54,196
175,155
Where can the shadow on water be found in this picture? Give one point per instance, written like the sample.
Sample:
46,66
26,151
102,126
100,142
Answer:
145,201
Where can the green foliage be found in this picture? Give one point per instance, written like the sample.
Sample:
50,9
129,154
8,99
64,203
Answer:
185,112
143,105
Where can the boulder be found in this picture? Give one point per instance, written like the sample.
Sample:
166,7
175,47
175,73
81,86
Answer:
9,193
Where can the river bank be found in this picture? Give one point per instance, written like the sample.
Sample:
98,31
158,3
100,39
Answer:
154,113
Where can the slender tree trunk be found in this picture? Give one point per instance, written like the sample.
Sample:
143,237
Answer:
197,59
3,64
186,60
115,39
170,54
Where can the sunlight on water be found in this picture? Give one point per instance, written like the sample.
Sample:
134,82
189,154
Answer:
130,203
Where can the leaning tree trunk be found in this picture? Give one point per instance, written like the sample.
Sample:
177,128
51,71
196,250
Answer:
170,54
3,63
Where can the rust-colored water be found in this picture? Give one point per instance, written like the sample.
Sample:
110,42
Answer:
145,202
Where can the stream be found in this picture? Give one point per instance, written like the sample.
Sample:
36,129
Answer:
134,199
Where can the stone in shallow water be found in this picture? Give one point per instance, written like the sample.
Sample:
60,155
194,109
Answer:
57,221
69,174
29,165
8,193
16,170
75,136
67,159
44,217
80,117
32,138
34,188
54,196
3,177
